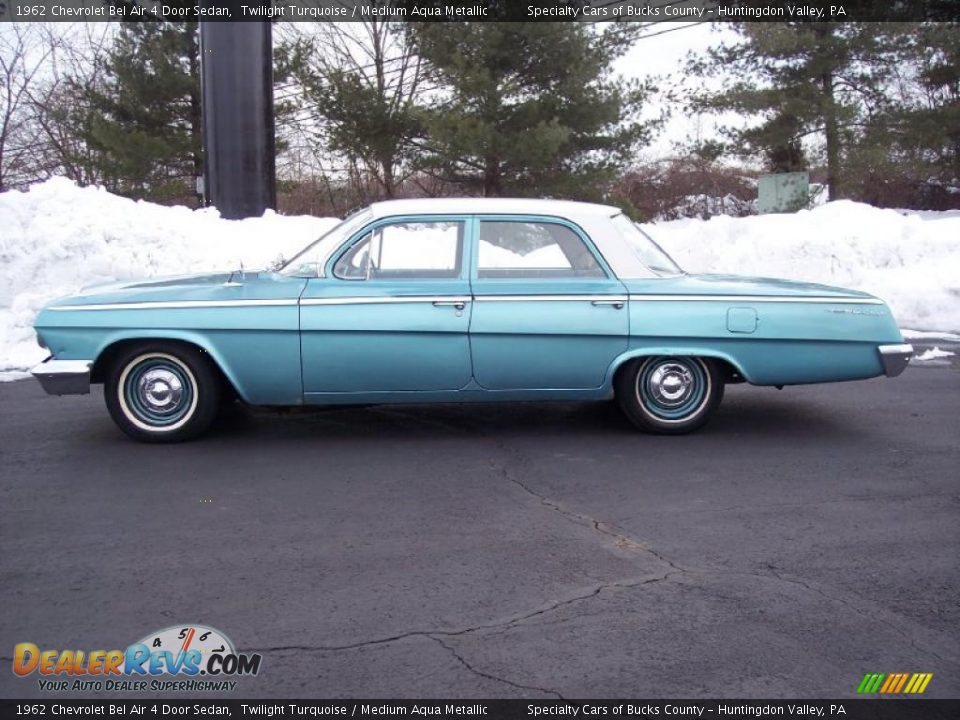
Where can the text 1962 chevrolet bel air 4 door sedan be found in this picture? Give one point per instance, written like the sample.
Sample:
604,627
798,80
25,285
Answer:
458,300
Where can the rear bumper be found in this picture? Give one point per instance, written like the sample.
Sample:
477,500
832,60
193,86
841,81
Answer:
895,358
64,377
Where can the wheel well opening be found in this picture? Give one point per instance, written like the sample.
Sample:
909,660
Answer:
103,363
728,371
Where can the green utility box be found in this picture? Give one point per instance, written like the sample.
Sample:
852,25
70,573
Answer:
783,192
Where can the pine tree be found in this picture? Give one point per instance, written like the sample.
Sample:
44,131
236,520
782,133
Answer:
934,124
803,81
529,108
910,156
362,81
143,122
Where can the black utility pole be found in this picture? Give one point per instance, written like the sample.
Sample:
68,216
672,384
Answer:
236,70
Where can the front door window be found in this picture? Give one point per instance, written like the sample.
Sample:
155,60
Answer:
415,250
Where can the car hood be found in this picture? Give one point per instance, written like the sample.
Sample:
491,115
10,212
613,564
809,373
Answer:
201,287
738,285
167,281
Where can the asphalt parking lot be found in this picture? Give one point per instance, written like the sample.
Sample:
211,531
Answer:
805,538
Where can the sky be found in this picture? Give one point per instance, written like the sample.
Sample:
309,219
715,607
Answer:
662,56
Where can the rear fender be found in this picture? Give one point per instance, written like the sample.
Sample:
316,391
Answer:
671,351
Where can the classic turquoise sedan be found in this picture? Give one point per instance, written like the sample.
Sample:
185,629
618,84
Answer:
459,300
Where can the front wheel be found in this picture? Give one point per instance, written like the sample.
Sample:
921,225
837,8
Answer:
162,392
669,395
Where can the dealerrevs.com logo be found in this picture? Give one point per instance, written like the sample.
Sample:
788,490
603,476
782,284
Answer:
178,658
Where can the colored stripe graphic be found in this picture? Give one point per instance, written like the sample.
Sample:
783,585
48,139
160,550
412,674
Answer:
899,686
871,682
894,683
918,683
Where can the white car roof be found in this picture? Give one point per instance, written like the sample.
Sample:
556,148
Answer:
501,206
594,219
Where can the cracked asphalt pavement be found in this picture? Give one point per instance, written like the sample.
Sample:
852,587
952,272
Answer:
804,538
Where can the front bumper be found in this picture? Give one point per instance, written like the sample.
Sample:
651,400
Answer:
895,358
64,377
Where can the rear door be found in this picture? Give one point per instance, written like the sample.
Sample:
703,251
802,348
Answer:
548,313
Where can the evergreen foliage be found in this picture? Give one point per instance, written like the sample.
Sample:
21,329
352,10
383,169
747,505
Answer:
143,121
529,108
876,103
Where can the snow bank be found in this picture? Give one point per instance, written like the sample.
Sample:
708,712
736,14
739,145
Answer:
910,259
934,353
57,238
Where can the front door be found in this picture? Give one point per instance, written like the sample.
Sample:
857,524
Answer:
547,312
392,314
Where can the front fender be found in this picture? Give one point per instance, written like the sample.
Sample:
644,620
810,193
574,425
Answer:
196,339
259,365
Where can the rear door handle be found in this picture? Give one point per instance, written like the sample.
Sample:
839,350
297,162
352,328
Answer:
618,304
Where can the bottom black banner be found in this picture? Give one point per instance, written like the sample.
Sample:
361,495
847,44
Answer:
874,709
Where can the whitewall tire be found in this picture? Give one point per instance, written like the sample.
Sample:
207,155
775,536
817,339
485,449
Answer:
162,392
669,395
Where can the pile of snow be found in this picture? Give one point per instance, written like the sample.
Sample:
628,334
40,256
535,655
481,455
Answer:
910,259
934,353
923,335
57,238
703,205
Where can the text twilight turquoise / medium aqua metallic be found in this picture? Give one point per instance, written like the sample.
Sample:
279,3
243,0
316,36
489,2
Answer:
459,300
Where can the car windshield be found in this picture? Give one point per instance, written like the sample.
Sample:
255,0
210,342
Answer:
309,261
651,254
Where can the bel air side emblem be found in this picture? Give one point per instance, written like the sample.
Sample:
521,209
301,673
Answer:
851,311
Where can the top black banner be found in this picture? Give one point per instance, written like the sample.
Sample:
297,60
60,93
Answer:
478,10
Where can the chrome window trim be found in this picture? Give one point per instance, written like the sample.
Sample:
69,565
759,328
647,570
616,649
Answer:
377,223
532,218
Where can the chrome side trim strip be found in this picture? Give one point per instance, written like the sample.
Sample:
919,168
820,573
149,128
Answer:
175,305
385,299
840,300
550,298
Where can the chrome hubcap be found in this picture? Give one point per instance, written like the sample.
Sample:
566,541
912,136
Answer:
670,384
160,390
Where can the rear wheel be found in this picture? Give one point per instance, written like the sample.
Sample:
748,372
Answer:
162,392
669,395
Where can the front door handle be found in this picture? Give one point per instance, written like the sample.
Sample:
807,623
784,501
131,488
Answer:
618,304
458,304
